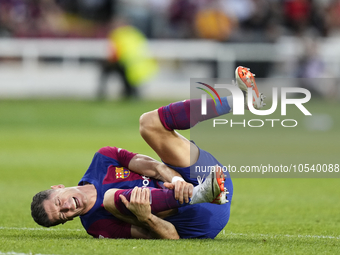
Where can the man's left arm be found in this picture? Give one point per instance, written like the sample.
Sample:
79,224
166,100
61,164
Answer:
150,167
139,163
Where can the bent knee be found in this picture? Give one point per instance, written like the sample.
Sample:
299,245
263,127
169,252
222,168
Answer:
150,121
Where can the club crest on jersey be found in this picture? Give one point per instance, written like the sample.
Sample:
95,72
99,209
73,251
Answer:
122,173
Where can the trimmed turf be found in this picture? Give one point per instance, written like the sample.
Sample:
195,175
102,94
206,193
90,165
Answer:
51,142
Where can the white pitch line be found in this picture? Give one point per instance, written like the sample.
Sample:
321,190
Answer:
41,229
223,232
19,253
289,236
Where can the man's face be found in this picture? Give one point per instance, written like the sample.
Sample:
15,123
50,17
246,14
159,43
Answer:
65,203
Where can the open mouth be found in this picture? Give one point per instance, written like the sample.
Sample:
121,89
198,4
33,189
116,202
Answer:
76,202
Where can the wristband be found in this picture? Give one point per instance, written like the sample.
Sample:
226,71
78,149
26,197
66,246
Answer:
177,178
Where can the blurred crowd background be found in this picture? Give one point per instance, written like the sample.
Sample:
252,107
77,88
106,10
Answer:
223,21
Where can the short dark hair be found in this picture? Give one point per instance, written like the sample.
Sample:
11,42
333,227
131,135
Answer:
38,211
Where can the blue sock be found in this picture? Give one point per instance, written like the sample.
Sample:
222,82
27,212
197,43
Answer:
226,107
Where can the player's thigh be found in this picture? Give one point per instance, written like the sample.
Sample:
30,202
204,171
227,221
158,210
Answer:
170,146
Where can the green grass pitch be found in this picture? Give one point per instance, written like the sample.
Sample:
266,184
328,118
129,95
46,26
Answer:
51,142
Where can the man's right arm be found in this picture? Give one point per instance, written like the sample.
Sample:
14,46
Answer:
139,205
155,228
145,225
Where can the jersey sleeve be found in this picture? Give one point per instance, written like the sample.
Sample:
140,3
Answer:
110,228
121,155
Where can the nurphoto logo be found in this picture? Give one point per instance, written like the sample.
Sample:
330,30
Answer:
238,104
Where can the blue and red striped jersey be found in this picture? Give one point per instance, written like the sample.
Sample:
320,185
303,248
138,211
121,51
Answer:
109,169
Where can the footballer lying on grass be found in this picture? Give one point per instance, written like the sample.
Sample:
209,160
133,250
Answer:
128,195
